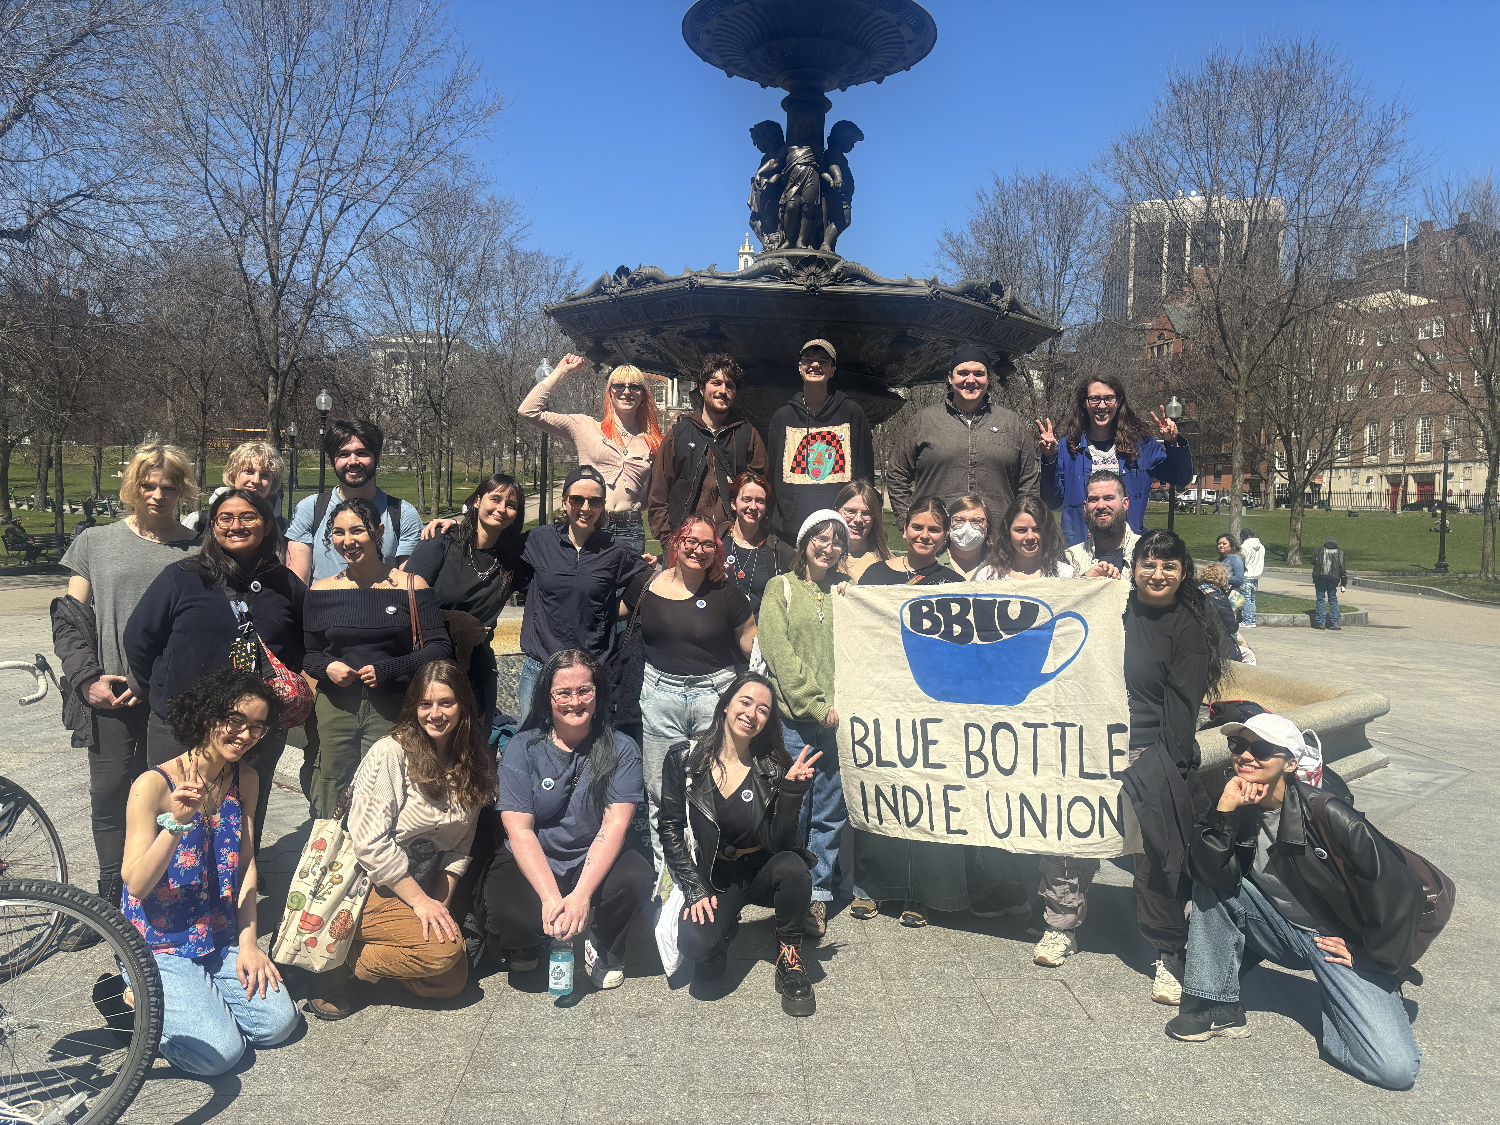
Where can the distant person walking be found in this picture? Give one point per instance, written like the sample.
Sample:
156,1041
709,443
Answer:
1234,562
1329,580
1254,553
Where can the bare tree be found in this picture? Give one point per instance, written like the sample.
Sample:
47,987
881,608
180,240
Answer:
1276,168
295,127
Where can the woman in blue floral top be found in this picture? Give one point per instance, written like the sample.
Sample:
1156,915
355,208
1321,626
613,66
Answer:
190,882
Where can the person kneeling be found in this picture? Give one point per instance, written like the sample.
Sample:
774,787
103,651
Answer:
190,879
569,785
741,794
416,803
1265,886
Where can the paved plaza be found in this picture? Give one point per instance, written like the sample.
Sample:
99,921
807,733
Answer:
950,1023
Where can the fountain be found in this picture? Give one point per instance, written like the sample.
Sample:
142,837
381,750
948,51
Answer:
890,332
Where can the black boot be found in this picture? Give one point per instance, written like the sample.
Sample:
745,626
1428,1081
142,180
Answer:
796,990
77,936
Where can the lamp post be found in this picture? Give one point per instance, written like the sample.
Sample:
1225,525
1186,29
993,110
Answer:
1174,412
545,494
1441,566
291,473
324,403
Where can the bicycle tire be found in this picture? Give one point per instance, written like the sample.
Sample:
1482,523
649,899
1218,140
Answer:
29,849
61,1071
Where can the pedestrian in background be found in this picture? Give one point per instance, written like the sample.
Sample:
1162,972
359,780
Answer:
1329,579
1231,559
1254,553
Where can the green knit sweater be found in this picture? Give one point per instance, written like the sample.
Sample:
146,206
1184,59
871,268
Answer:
798,648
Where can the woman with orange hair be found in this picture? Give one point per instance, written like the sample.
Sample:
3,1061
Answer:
622,446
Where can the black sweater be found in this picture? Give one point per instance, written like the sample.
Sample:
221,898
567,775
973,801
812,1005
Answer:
183,626
360,627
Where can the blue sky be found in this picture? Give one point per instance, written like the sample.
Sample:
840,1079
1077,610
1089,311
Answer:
625,148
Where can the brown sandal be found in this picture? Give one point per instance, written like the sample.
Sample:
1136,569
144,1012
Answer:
914,915
864,908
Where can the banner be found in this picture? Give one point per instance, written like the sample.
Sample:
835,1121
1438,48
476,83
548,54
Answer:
989,713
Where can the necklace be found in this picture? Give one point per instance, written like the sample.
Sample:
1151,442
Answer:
818,596
482,575
744,560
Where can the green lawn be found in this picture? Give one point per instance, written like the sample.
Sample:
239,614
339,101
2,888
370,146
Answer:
1281,603
1475,589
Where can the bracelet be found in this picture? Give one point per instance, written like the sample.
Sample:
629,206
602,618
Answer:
170,823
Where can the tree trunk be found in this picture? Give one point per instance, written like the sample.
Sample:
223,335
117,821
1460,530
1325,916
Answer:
5,451
1487,541
43,451
1237,456
58,514
97,483
1294,536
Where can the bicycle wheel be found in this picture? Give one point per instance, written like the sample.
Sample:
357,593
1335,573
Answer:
29,846
69,1046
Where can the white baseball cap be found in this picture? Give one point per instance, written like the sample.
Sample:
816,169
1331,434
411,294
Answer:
1279,731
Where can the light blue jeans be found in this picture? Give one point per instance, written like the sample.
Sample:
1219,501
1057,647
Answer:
1248,588
1326,588
823,813
673,709
208,1022
531,672
1365,1028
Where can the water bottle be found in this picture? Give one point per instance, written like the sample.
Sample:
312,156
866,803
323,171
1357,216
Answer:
560,968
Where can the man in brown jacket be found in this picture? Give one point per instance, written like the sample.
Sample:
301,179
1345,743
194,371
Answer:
703,452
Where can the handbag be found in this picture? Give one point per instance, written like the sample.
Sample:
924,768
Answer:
325,899
248,650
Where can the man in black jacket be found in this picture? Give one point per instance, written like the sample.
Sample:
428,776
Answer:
1265,887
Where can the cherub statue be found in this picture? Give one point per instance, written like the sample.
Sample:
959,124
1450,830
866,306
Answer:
838,182
765,200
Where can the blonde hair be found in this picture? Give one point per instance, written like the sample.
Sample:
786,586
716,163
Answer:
651,430
158,456
255,455
1215,575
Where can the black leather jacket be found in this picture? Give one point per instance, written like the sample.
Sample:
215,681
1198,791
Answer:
778,803
1384,918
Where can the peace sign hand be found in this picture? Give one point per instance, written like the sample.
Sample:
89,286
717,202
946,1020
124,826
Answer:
1048,440
568,364
187,798
802,768
1167,427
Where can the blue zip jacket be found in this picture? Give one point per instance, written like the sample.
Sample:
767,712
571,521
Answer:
1065,483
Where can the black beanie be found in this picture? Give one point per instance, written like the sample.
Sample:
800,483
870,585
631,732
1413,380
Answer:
967,354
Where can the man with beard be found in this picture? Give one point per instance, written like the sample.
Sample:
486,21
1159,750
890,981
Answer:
353,445
703,452
1105,553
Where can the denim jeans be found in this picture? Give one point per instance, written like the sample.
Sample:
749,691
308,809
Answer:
632,535
1248,588
823,814
207,1021
673,709
1326,588
1365,1029
531,672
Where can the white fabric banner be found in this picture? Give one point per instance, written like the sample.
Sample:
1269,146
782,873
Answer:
988,713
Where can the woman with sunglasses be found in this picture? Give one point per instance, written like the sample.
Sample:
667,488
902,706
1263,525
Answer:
1104,433
698,629
196,610
577,569
860,505
621,446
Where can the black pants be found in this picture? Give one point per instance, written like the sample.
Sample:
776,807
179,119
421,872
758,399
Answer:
782,882
513,909
162,747
116,759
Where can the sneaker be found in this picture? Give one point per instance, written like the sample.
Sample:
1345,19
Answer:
1056,947
521,960
1006,899
817,920
1199,1024
864,908
607,971
796,990
1166,988
1247,624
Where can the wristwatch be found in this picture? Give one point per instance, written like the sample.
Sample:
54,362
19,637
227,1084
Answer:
170,823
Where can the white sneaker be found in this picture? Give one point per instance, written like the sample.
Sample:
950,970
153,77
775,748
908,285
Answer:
1166,989
1055,947
602,972
1247,624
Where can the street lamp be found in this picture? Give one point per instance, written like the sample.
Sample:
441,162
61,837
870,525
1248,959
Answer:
324,403
1174,412
543,369
1441,566
291,475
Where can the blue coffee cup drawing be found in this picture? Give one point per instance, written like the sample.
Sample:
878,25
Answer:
984,649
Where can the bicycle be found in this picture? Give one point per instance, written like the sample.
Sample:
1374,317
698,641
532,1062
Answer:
72,1050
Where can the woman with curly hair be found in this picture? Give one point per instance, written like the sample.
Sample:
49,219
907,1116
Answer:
622,445
417,799
190,882
1025,544
1104,433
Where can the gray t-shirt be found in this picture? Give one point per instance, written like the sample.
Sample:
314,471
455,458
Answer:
328,562
119,566
1268,882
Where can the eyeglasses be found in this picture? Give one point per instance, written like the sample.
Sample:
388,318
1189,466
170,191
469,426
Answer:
238,724
1152,566
812,363
965,521
589,502
827,545
693,546
244,519
1101,400
568,695
627,388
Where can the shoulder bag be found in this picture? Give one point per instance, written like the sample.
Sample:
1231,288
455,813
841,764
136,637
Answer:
325,899
248,650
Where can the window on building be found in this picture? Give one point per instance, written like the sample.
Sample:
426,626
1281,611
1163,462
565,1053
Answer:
1426,384
1455,381
1398,439
1478,380
1372,441
1350,391
1280,460
1424,436
1398,386
1455,429
1373,390
1382,337
1341,443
